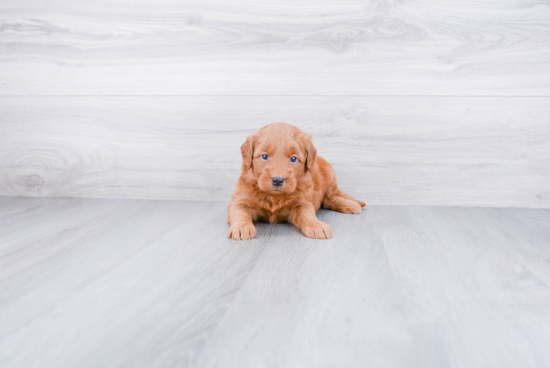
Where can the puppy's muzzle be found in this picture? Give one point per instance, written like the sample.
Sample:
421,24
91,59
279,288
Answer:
277,181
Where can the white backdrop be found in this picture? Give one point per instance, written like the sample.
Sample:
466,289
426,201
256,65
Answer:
413,102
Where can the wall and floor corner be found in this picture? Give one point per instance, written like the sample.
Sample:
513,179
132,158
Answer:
123,120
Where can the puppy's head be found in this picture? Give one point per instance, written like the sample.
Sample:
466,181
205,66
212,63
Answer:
277,156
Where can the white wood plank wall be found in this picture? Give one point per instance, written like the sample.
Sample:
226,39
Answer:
284,47
414,102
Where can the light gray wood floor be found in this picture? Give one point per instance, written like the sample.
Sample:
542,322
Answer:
134,283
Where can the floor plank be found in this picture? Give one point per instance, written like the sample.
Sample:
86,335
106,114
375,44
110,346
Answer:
463,269
308,303
120,267
156,283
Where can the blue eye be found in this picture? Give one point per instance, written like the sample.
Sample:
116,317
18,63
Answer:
265,157
293,159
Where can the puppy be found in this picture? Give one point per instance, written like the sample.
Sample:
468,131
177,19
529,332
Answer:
283,179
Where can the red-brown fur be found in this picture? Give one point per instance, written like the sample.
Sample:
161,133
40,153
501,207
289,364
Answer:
309,184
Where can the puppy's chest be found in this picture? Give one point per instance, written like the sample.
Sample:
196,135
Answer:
275,214
275,217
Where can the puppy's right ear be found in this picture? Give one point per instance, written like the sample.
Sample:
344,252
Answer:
247,150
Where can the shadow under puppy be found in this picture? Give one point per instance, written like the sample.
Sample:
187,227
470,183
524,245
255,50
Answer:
283,179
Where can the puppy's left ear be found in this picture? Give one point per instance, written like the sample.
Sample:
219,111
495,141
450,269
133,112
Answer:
311,152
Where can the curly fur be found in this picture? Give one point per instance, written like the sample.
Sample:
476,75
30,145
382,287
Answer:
309,183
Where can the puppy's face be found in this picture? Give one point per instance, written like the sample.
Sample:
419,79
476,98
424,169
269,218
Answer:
277,156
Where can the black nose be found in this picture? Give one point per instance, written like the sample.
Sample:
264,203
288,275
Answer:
277,181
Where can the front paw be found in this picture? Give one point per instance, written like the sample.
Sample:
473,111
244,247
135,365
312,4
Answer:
317,230
241,231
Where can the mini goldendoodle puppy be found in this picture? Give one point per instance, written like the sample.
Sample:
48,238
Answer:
283,179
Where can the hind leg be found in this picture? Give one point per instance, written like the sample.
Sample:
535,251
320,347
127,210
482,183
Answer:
341,204
347,196
337,200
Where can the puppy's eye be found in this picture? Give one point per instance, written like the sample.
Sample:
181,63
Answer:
293,159
265,157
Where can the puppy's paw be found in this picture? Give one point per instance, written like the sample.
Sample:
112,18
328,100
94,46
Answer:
317,230
354,207
241,231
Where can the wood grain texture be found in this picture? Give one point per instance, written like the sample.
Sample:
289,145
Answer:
467,151
312,47
156,284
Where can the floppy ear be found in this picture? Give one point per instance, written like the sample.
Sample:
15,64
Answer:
311,152
247,150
